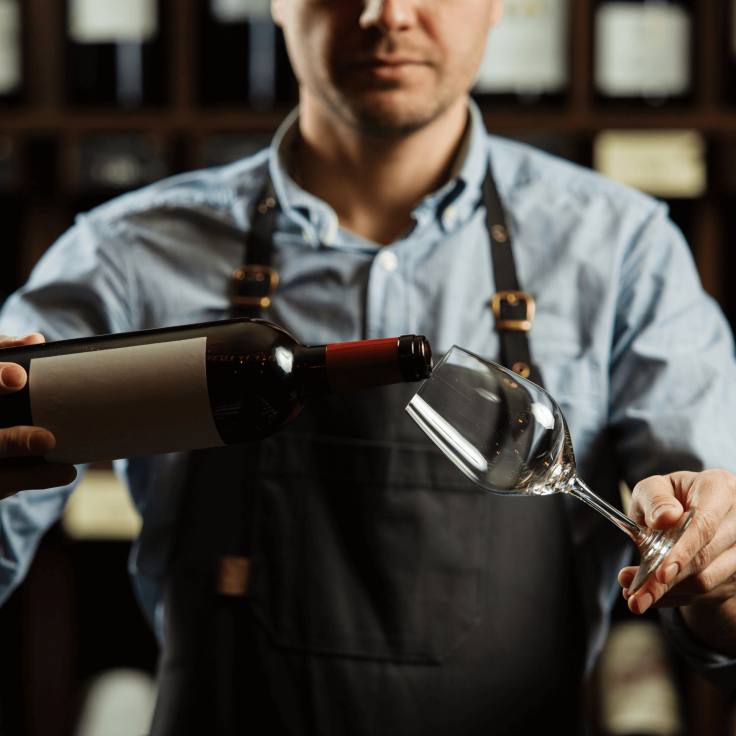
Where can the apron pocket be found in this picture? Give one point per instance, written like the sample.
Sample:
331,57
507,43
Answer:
364,548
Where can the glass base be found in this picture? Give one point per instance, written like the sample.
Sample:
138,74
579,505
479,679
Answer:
657,548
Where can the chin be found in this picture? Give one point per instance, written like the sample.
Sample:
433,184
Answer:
390,114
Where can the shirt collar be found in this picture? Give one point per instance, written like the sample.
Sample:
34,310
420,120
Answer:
449,207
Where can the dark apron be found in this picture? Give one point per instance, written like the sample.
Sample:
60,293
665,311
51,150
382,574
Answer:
389,595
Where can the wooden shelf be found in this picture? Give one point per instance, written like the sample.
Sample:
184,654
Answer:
200,122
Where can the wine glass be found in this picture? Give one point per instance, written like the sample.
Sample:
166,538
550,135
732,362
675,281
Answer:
509,437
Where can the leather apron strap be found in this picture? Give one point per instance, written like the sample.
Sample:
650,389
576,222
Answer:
513,309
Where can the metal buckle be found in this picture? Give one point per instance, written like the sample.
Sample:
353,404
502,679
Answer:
258,274
512,298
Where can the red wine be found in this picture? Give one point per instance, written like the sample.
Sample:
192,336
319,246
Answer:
189,387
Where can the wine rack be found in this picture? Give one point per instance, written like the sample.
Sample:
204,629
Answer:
58,158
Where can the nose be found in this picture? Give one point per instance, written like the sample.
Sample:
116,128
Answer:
390,15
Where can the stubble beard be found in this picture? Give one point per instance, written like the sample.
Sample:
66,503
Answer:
375,121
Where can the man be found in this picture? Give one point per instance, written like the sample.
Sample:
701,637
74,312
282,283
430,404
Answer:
388,595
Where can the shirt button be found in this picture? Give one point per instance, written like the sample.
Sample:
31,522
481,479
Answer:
449,216
388,260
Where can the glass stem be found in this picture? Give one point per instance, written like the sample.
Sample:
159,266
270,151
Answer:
638,534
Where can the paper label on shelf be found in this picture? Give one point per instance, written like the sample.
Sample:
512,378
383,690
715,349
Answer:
527,51
238,11
124,402
112,21
10,46
642,50
666,163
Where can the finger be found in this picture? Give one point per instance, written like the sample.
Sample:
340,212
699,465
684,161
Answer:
42,476
654,502
714,581
689,559
25,441
12,378
712,529
626,576
34,338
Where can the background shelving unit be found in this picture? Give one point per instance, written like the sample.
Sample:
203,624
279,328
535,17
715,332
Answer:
41,137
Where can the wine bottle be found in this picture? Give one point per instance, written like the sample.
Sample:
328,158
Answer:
115,163
189,387
11,62
115,53
526,59
241,34
643,51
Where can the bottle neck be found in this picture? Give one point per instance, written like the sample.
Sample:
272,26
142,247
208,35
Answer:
352,366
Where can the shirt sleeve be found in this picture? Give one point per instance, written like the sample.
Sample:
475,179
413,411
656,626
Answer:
673,385
82,286
718,668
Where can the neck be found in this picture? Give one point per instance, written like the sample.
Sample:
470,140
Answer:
373,183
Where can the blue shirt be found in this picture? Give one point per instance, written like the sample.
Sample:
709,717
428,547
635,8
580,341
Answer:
640,359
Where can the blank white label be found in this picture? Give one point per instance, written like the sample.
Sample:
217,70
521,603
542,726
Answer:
642,50
10,46
112,21
238,11
527,51
124,402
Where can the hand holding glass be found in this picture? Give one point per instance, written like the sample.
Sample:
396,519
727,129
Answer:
509,437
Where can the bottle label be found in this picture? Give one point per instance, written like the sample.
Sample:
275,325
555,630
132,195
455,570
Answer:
642,50
526,52
112,21
664,163
124,402
238,11
10,47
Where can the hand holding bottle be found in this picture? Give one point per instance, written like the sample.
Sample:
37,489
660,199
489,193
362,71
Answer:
26,441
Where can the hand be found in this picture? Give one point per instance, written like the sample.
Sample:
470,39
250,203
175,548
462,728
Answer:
700,570
26,441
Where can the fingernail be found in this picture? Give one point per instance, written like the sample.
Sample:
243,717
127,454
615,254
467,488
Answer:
41,442
670,573
11,377
644,602
626,593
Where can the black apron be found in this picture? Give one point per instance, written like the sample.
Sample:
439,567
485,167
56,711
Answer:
388,594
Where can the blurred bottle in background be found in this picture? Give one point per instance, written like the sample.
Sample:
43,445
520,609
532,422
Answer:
643,51
115,53
11,52
244,59
526,60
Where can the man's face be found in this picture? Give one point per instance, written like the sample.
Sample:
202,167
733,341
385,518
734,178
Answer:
390,66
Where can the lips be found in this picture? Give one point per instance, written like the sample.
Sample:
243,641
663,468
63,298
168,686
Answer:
377,61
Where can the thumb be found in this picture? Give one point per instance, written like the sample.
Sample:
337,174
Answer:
654,504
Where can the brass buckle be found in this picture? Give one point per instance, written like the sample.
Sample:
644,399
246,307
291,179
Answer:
258,274
512,298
